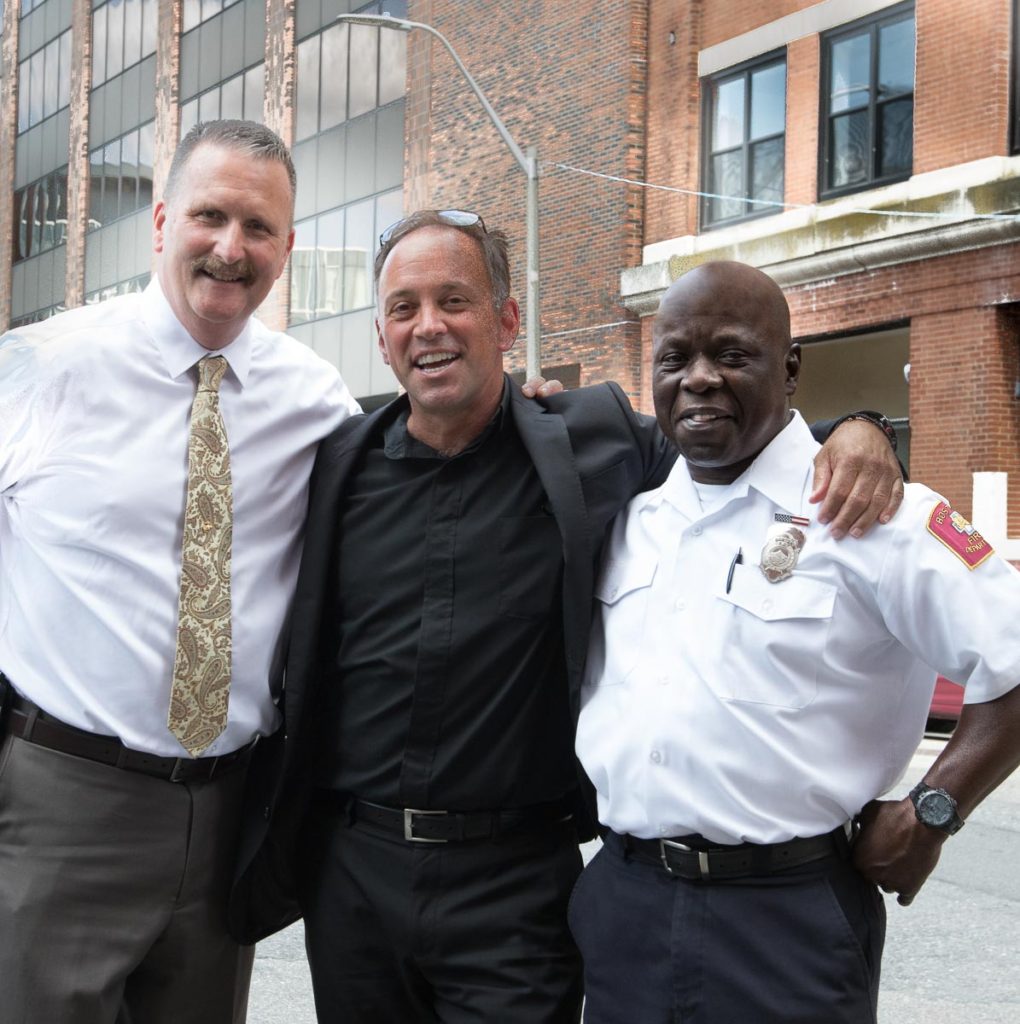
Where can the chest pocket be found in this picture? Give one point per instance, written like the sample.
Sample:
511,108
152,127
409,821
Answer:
624,588
775,638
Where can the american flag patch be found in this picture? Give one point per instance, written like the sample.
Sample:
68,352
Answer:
785,517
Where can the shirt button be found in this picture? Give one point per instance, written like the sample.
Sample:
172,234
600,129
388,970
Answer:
766,605
655,756
663,680
613,591
679,606
696,531
663,830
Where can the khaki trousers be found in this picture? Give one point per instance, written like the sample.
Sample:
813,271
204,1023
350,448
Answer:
113,890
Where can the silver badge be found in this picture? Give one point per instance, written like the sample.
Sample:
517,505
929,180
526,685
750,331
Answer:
780,554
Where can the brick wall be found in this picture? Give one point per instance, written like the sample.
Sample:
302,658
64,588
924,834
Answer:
571,80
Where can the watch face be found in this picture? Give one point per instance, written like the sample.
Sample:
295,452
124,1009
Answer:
936,809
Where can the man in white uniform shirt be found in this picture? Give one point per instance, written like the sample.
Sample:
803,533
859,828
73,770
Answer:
753,686
117,826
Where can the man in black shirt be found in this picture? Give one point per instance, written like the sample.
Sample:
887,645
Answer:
425,802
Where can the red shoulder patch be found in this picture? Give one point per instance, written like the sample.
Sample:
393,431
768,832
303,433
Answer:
958,535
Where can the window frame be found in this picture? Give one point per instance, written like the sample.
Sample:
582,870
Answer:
744,70
872,24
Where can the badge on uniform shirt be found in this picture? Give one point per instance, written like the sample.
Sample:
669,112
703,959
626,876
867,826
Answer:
782,549
958,535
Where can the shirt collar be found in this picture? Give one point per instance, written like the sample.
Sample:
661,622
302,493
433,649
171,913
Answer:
774,473
398,443
178,348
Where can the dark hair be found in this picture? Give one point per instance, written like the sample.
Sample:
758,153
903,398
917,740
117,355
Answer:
245,136
494,245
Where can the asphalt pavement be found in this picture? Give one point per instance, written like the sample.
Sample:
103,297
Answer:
952,957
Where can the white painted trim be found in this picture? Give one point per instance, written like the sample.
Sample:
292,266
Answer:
989,513
812,20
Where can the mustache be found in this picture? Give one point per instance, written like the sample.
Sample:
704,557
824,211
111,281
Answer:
242,270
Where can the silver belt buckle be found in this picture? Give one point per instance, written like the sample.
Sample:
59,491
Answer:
702,856
409,835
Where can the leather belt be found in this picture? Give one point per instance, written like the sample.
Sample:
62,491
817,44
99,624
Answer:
33,725
697,861
419,826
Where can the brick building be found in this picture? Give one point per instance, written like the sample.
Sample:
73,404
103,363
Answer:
860,151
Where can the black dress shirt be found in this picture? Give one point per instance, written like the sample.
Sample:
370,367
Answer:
450,688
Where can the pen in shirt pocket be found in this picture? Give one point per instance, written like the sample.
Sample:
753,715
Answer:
738,559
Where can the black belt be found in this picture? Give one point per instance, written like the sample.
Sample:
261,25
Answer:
716,863
28,722
454,826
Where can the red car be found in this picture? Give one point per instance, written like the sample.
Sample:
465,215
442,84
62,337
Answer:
946,701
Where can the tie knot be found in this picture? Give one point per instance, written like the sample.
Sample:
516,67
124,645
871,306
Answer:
210,372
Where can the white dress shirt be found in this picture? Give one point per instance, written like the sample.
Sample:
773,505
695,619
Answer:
763,711
94,412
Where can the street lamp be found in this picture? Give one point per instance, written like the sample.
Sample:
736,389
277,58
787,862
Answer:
527,162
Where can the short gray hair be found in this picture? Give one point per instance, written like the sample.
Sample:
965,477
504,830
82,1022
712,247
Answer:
244,136
494,245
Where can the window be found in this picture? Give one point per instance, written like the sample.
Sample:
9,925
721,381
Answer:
867,131
744,132
240,97
44,82
345,71
197,11
331,265
120,176
123,32
134,284
40,215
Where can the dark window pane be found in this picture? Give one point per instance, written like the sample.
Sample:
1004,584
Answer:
850,161
302,273
232,98
392,65
192,14
896,58
768,101
111,187
329,264
727,181
727,114
99,46
60,197
35,110
114,38
38,215
767,173
132,32
358,255
20,234
51,77
254,93
95,189
850,73
150,22
129,173
64,85
334,75
307,121
145,147
363,69
24,95
896,138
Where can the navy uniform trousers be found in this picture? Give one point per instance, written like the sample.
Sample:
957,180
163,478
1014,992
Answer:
801,946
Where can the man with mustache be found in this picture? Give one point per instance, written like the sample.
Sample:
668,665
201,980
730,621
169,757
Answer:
753,687
154,460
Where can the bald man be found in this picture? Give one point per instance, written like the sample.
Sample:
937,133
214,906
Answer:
753,686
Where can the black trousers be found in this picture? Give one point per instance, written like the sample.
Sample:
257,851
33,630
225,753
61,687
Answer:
462,933
803,946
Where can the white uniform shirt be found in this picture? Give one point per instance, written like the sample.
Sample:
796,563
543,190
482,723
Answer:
94,412
777,709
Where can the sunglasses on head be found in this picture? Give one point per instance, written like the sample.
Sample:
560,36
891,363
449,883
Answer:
456,218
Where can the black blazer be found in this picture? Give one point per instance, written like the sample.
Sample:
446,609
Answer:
592,453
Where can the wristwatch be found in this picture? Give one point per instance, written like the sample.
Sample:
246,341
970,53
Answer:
870,416
935,808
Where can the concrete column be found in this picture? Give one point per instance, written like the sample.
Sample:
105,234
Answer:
78,153
8,133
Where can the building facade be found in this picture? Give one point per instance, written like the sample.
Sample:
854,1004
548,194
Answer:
862,152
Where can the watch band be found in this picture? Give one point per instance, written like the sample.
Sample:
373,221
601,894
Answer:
870,416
